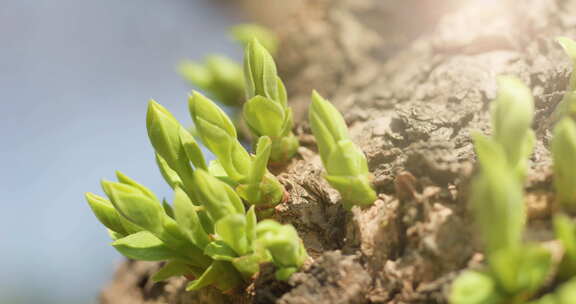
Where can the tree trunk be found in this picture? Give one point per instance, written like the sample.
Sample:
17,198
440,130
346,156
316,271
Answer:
413,80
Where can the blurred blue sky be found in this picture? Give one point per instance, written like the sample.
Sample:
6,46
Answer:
75,77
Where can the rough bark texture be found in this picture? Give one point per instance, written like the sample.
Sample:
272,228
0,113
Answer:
413,81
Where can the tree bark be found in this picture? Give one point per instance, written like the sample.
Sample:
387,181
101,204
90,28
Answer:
413,80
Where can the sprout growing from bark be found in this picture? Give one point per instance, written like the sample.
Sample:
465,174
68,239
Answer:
283,245
512,114
266,112
345,164
516,270
206,233
567,105
253,181
564,155
218,242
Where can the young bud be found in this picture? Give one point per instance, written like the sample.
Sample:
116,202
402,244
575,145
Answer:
345,164
567,105
105,213
565,231
283,244
564,155
497,198
164,134
136,206
219,135
125,179
260,72
264,116
512,115
267,112
327,125
348,173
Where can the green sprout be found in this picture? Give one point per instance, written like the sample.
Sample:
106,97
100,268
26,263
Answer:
567,105
218,76
284,246
346,165
564,155
565,230
512,115
266,112
516,270
564,140
252,180
175,147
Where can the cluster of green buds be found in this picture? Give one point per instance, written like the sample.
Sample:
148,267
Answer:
217,242
266,112
345,164
206,234
248,174
516,270
221,77
564,140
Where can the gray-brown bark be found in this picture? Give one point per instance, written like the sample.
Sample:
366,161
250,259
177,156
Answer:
413,84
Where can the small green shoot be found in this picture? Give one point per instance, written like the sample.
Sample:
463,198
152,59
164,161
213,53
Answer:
567,106
345,164
564,155
254,183
516,270
266,112
512,115
283,244
217,241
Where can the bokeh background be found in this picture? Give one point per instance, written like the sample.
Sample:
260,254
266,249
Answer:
75,78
